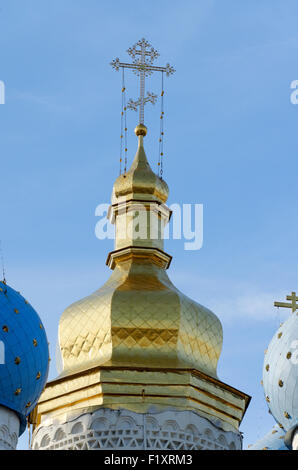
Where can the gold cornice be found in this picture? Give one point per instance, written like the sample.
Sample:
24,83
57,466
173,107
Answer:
177,370
130,205
203,392
143,254
138,389
139,189
135,395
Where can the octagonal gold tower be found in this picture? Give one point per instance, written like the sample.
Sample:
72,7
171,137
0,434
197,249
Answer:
138,317
138,342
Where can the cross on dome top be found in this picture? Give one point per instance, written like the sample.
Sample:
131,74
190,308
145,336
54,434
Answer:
147,57
293,305
143,55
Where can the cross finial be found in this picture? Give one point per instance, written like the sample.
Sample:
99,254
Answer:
143,55
293,305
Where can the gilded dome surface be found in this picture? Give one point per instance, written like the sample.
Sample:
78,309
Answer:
139,318
280,374
140,182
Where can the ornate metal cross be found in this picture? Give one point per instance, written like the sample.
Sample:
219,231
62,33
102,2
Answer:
143,55
293,305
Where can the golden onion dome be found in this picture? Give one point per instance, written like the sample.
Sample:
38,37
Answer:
139,318
140,182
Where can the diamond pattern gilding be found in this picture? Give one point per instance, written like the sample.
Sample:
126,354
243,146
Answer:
145,337
138,316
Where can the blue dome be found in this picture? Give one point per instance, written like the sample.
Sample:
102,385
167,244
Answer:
274,440
280,374
24,354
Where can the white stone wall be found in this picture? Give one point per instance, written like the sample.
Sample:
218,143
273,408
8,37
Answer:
9,429
107,429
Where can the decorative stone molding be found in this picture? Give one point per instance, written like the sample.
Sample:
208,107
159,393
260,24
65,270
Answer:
9,429
107,429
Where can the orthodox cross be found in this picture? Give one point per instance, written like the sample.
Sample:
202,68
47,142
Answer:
143,55
293,305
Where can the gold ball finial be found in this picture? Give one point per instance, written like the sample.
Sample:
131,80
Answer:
141,129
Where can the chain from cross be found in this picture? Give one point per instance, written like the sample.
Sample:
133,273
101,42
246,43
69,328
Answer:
142,66
293,305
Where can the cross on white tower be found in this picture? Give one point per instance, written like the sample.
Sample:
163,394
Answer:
143,67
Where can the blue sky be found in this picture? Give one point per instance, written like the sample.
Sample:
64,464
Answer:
231,143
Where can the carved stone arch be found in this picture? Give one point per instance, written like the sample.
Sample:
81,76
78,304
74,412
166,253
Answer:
100,424
222,441
46,440
14,439
59,435
152,423
170,425
4,432
192,429
121,429
209,434
125,422
77,428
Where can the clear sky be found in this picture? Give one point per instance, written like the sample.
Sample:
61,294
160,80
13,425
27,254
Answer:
231,143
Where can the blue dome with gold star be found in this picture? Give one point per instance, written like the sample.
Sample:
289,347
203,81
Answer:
24,354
